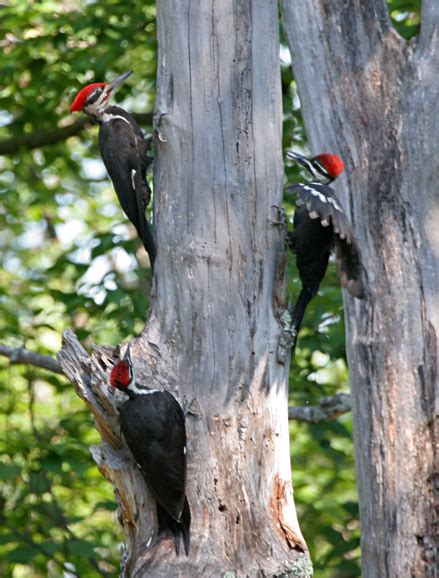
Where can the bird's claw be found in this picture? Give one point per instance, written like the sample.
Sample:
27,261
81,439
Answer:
191,407
280,218
156,126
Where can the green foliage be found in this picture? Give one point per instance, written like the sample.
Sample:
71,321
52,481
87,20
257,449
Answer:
405,15
53,501
70,258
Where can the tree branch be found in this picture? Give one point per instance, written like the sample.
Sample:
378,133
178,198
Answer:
22,355
329,408
38,139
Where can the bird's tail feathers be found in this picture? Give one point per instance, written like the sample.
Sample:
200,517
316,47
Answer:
185,526
178,529
143,196
148,241
305,296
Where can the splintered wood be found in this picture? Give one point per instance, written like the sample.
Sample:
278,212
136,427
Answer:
278,506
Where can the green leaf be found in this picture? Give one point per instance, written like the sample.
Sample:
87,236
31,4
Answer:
21,555
106,505
81,548
8,471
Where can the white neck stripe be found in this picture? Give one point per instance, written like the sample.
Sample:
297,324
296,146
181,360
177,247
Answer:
108,117
140,390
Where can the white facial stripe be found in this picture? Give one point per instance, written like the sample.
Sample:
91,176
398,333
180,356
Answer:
321,169
133,178
309,165
97,107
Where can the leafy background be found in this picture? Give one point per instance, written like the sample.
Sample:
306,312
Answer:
69,258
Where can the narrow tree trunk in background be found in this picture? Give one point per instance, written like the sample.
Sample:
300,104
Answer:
372,97
212,335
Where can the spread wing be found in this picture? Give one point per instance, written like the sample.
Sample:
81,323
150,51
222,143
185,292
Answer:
321,204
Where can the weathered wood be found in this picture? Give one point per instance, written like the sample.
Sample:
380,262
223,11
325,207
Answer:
212,333
89,375
372,97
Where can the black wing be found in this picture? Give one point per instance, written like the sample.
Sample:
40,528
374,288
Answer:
123,151
322,206
312,245
154,429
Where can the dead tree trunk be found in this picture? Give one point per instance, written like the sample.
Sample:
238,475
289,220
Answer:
212,333
373,97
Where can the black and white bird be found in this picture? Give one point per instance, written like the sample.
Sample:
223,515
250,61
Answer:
124,151
153,424
321,225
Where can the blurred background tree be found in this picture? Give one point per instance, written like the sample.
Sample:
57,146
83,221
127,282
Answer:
70,258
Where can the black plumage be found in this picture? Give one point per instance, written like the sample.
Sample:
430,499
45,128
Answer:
153,424
321,225
124,151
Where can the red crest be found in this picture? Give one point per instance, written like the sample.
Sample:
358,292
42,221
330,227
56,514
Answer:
333,164
121,374
83,94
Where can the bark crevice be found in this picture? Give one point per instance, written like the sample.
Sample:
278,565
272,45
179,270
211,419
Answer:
375,103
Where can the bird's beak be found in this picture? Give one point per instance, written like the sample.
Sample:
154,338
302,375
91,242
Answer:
304,161
127,356
114,85
298,158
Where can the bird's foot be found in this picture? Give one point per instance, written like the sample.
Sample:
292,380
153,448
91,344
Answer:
191,407
158,118
279,218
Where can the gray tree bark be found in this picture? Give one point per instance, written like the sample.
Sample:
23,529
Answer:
373,97
212,333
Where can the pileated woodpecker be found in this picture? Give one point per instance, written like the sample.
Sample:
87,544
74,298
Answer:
124,152
152,422
321,224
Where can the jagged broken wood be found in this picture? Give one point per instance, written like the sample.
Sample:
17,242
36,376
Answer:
89,376
142,553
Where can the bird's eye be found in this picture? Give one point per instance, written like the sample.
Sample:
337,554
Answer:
94,96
